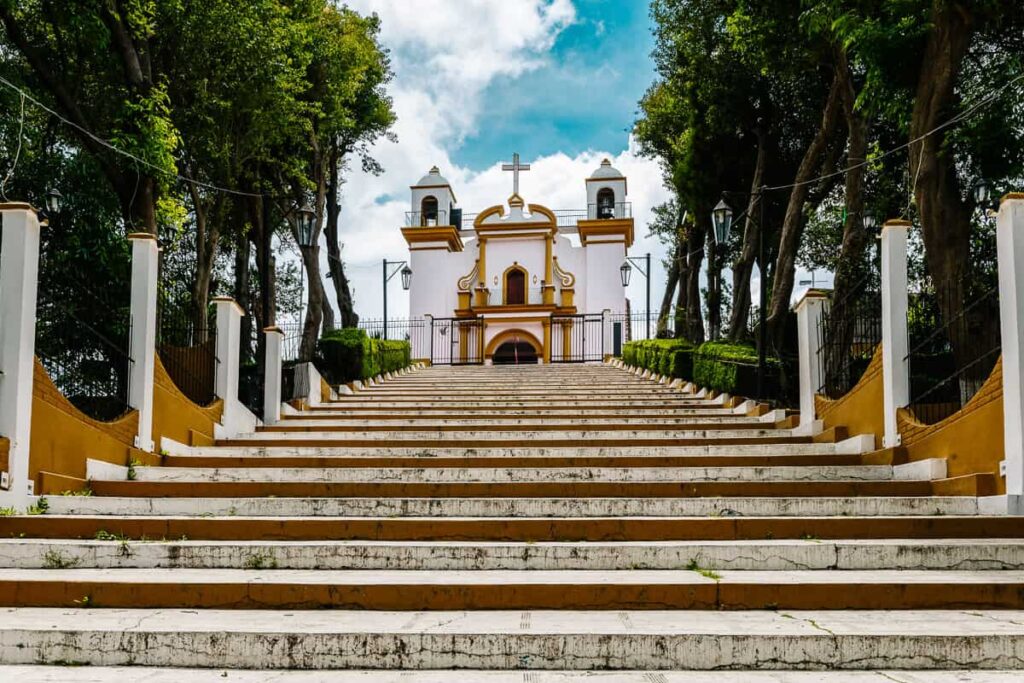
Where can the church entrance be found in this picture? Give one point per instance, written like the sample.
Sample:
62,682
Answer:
514,353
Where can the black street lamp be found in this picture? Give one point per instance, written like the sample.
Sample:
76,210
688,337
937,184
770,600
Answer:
625,271
982,194
304,223
54,201
721,219
722,215
400,267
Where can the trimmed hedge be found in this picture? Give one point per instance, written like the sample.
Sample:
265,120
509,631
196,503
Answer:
727,367
349,354
670,357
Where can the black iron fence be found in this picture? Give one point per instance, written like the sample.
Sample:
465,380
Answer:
954,343
848,334
83,340
187,344
413,330
577,338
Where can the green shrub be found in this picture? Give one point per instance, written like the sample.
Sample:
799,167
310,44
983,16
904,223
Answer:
349,354
726,367
670,357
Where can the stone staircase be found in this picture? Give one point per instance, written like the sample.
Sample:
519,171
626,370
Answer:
518,524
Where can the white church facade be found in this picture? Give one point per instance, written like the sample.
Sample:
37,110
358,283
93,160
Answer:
518,283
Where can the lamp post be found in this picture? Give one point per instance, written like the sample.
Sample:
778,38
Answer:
400,267
722,215
626,270
304,223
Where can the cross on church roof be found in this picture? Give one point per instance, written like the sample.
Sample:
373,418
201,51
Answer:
515,167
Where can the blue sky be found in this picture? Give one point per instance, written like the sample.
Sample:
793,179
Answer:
584,97
475,80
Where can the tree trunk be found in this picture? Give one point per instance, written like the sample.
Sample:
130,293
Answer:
743,268
242,285
793,223
693,315
335,266
671,280
945,219
850,269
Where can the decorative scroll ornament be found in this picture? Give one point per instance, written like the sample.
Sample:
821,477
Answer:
466,281
566,278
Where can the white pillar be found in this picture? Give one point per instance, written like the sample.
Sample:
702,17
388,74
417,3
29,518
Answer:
19,278
145,264
1010,249
272,375
895,368
809,312
229,342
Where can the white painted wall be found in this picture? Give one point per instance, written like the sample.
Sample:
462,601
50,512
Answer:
604,290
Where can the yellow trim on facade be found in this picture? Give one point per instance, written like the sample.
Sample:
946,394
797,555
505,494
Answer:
448,234
606,227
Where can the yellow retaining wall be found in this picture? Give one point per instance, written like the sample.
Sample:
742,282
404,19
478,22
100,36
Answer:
177,417
971,439
861,409
63,437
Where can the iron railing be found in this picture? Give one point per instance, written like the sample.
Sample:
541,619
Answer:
848,334
606,211
577,338
414,330
954,341
188,351
83,340
426,219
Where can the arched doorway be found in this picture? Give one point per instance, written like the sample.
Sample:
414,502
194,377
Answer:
513,347
515,353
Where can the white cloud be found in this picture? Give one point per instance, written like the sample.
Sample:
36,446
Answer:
445,54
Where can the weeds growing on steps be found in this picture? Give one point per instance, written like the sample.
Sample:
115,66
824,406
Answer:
40,508
55,559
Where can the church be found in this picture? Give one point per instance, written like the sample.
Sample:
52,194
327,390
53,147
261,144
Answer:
519,283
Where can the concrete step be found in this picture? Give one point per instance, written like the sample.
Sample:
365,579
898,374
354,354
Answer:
466,413
525,461
519,474
428,428
97,674
640,589
764,555
513,489
535,408
203,525
509,640
256,448
499,421
510,510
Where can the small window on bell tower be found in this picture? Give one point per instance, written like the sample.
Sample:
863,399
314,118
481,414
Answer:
428,211
606,203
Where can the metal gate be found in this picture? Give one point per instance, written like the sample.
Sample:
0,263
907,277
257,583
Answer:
456,341
577,338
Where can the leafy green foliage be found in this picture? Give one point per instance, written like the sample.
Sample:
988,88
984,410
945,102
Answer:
670,357
349,354
725,367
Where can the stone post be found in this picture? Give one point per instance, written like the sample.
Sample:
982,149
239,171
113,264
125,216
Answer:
895,369
145,260
809,312
1010,250
272,376
19,279
229,333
